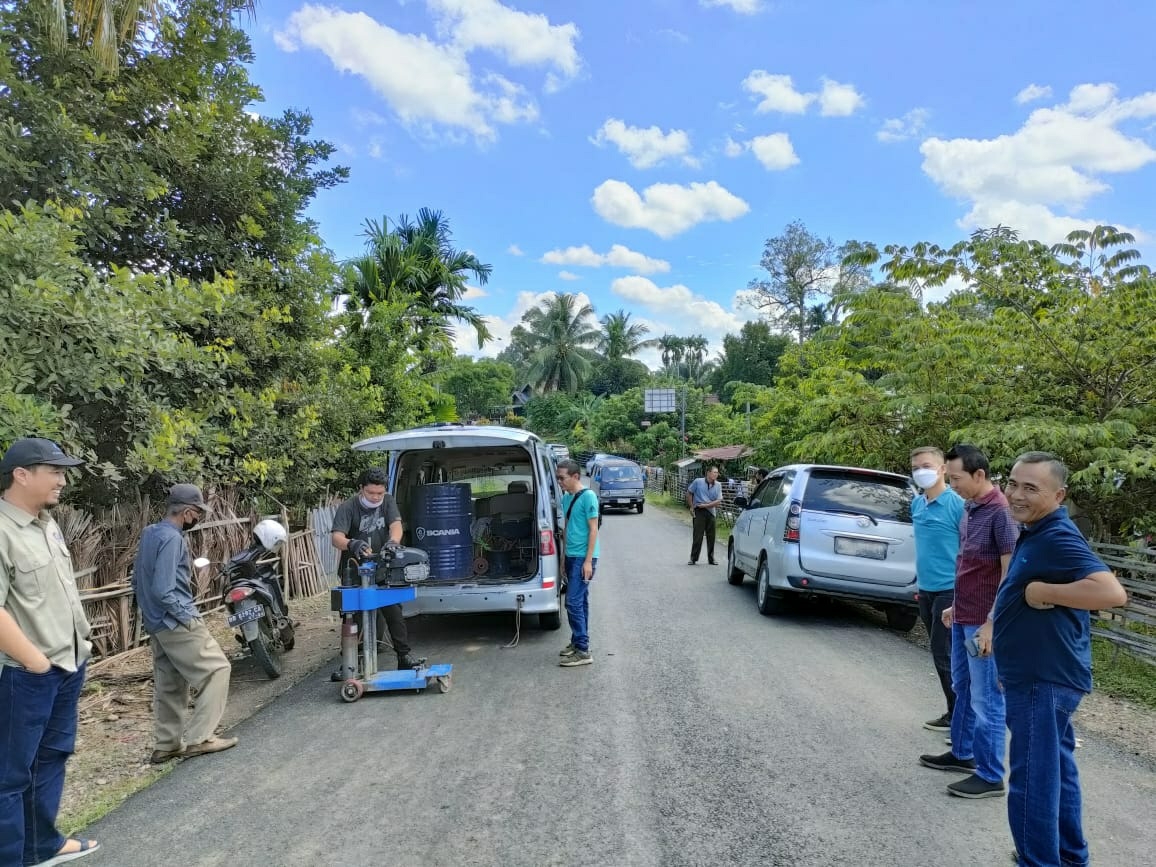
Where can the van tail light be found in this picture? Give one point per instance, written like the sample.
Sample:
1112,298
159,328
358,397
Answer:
239,593
546,549
794,522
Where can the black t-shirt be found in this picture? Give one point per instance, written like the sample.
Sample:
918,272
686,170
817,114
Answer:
358,522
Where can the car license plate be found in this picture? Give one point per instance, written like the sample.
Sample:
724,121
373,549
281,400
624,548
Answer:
868,548
623,502
247,615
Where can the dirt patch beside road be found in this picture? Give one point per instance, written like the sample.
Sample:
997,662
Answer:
115,736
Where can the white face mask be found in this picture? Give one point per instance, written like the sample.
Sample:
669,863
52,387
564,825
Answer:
925,478
366,504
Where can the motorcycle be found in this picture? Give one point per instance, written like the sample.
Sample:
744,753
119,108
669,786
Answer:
253,597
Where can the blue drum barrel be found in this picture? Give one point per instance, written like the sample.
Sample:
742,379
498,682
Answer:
441,518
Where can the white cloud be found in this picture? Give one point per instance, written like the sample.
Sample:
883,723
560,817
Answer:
666,209
674,35
778,93
774,151
733,148
473,293
521,38
568,275
645,147
903,128
1055,160
375,150
839,100
618,257
1033,92
743,7
515,250
445,95
685,311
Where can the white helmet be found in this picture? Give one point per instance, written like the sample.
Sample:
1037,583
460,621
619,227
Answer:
270,534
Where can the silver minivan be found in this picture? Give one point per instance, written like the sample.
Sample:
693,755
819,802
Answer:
485,504
828,531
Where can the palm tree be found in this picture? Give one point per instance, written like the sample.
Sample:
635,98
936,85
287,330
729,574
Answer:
620,337
694,351
416,262
584,410
672,347
107,27
562,336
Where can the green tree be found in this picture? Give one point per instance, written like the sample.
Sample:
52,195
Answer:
751,356
672,348
622,338
614,376
562,334
480,388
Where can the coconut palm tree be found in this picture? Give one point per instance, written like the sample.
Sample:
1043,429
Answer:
107,27
694,352
417,262
622,338
672,348
562,335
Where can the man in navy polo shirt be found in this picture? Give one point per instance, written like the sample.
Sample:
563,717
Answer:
1043,651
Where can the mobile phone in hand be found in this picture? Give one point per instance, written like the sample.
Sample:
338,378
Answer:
971,646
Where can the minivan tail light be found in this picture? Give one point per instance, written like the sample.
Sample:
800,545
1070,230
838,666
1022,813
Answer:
546,544
794,522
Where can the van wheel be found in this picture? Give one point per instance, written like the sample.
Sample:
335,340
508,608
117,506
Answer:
639,507
735,575
901,619
550,620
769,601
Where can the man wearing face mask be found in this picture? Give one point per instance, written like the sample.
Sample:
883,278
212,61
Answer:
936,515
363,525
185,654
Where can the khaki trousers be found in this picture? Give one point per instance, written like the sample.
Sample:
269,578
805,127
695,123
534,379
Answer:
182,658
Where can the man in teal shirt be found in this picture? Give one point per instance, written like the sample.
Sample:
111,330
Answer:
936,515
580,507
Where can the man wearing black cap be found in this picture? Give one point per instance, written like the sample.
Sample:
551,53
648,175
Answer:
185,654
43,650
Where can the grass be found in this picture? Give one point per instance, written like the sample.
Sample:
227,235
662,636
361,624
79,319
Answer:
1120,674
107,798
666,501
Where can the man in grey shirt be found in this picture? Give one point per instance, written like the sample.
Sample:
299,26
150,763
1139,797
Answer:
703,497
185,654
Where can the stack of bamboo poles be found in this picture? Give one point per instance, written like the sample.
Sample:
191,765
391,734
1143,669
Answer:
306,576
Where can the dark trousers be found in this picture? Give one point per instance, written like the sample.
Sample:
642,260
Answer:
38,719
391,629
704,524
931,607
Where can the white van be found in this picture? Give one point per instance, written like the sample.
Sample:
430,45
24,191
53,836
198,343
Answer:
485,504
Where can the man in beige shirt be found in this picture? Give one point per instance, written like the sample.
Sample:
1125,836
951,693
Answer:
43,650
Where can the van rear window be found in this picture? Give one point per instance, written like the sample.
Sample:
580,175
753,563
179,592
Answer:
621,474
880,497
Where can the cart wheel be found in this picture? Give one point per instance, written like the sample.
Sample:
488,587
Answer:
444,683
352,690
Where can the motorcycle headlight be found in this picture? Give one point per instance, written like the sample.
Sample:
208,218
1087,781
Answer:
417,572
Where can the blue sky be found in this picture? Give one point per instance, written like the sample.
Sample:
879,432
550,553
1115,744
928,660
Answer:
641,152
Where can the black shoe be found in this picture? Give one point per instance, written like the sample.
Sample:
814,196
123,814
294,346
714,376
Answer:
948,761
712,562
977,787
341,675
691,562
943,724
404,661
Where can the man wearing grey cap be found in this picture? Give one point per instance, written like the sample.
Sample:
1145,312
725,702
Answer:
185,654
43,650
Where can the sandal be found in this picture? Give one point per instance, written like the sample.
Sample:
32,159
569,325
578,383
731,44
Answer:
85,847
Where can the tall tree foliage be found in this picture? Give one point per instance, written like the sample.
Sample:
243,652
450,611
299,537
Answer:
561,333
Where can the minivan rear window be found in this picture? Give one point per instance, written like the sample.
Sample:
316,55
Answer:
879,497
621,474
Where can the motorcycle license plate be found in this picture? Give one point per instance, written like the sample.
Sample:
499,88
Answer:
247,615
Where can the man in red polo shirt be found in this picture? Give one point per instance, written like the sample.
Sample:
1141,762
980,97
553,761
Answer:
987,537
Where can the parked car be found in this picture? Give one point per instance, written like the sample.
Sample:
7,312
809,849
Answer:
484,503
828,531
595,458
619,485
560,451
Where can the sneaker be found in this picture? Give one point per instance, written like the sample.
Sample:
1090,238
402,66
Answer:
942,724
977,787
947,740
212,745
691,562
948,761
159,757
404,661
578,657
568,650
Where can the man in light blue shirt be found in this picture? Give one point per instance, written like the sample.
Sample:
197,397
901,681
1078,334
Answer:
936,515
580,508
703,498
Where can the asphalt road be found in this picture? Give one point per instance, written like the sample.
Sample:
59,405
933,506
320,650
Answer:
704,733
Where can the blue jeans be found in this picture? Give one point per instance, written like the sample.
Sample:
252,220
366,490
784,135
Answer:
578,602
977,723
1043,800
38,717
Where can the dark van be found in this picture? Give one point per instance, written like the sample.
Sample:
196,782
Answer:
619,484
